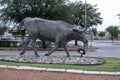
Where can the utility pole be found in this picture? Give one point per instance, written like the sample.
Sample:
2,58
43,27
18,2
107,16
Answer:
85,14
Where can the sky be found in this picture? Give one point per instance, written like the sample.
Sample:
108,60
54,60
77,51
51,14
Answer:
109,10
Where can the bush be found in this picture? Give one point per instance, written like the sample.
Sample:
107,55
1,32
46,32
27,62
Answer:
13,43
8,43
40,44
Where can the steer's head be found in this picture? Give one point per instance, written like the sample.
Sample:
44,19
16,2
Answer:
80,35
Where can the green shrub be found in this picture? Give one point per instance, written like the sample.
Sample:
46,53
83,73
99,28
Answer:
8,43
4,43
13,43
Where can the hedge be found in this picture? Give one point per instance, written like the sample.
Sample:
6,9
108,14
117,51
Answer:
14,43
8,43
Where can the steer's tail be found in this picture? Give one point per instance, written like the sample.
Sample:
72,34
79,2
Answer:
20,28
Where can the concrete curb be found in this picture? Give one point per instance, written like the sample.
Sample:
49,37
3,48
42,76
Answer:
41,49
38,49
59,70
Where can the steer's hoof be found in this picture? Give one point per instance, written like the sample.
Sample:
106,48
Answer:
37,55
81,51
68,57
21,53
47,54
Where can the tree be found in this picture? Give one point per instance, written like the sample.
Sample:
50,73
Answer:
2,30
101,34
16,10
19,32
93,17
113,31
94,30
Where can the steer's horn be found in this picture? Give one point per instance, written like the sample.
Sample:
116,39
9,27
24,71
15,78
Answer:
78,28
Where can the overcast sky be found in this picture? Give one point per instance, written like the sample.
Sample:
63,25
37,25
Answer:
109,10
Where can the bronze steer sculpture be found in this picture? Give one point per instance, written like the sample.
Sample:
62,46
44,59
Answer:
57,31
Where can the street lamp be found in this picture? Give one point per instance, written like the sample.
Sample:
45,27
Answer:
85,14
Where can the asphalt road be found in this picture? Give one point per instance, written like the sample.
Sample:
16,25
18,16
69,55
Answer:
106,49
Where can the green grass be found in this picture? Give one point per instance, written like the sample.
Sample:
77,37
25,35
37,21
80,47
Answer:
111,64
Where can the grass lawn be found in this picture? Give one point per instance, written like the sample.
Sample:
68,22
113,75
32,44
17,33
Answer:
111,64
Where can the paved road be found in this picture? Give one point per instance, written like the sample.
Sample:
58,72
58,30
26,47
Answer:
104,50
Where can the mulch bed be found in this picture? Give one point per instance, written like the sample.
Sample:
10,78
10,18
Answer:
54,60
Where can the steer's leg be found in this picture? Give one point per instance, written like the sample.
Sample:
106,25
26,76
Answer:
85,44
33,41
25,45
50,52
66,50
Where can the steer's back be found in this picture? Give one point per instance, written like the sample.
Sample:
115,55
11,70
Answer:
44,28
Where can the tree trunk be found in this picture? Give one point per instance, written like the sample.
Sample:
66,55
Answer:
1,36
112,39
44,44
76,44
